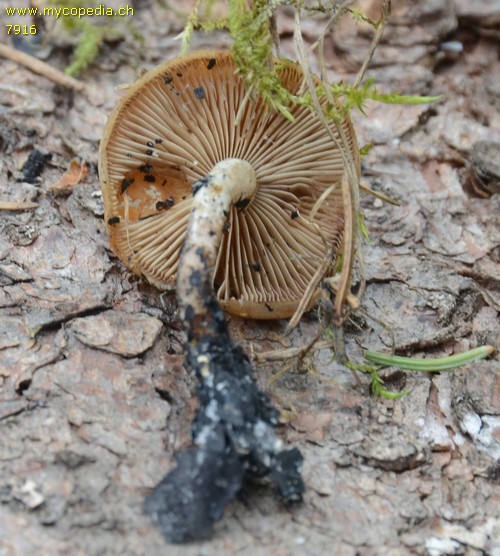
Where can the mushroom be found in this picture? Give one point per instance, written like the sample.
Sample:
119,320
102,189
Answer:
171,129
239,212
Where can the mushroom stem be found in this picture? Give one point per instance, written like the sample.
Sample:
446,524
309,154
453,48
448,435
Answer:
231,181
233,430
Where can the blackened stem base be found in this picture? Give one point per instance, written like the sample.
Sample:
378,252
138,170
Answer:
233,431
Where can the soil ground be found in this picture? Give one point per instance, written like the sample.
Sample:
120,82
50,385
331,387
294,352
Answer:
94,399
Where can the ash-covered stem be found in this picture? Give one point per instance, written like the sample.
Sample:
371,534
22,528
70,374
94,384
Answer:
233,431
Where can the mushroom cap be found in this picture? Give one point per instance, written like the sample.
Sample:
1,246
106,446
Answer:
169,130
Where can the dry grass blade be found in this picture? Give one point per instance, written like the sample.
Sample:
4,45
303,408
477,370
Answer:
386,11
379,195
340,10
274,34
311,288
349,182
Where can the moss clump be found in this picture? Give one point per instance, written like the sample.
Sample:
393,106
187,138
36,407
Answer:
253,52
89,33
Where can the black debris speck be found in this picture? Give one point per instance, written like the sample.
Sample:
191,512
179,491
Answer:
200,183
256,266
269,308
158,141
211,63
149,152
242,203
166,204
149,178
199,93
113,220
286,475
34,165
200,251
146,168
126,183
294,214
196,279
150,144
167,80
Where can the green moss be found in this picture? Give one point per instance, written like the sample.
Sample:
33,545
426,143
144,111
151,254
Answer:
249,25
201,17
89,33
253,52
86,50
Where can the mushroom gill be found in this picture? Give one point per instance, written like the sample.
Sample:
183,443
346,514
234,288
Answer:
171,128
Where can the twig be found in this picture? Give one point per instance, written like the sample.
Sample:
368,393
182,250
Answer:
17,205
289,353
37,66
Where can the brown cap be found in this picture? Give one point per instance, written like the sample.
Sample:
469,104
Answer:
170,129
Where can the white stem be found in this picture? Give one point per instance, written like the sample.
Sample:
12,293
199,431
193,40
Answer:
230,181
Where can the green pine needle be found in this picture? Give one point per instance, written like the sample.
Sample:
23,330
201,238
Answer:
429,365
